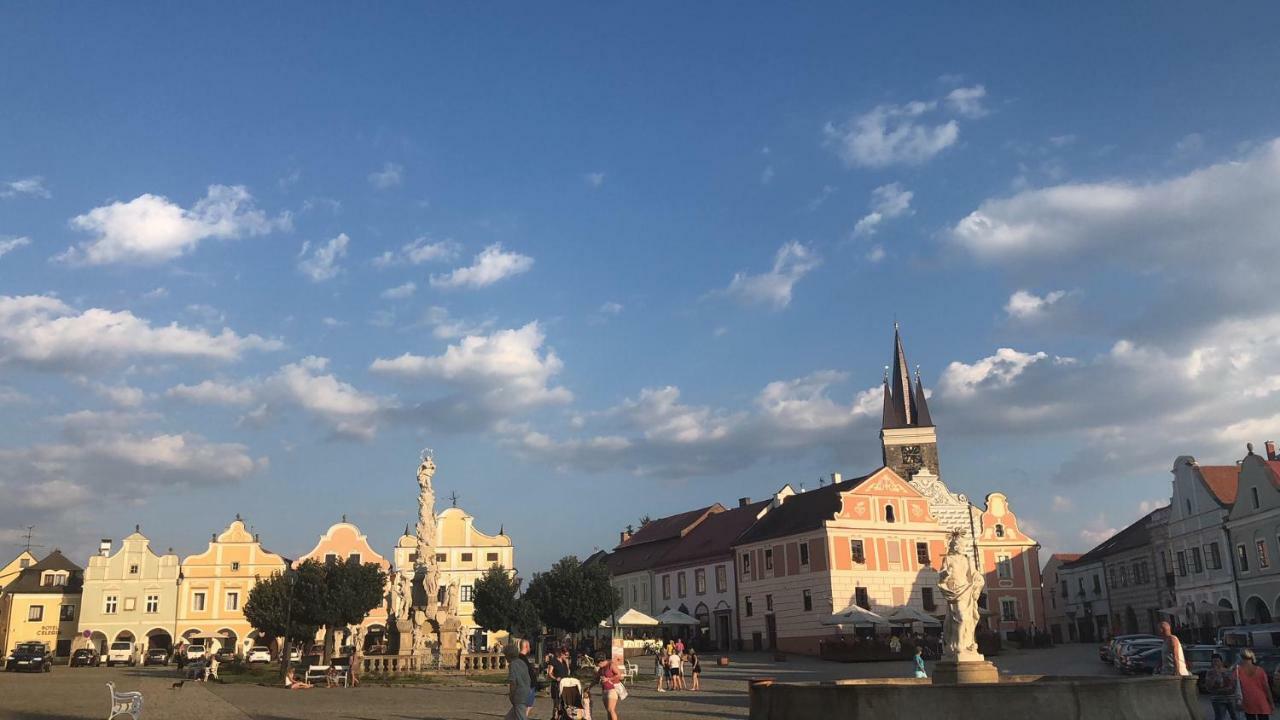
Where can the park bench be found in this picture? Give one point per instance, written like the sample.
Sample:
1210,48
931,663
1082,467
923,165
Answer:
124,703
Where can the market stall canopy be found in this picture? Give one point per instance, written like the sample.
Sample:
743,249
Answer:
854,615
675,617
907,614
631,618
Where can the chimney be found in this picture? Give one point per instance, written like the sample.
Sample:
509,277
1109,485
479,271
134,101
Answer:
836,478
1271,449
625,535
744,501
104,547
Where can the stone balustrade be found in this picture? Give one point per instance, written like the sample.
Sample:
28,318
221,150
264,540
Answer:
481,662
418,664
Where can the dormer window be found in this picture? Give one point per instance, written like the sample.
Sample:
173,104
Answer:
53,578
999,530
888,514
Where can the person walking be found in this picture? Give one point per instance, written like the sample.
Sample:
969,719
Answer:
1255,690
519,681
557,670
695,669
611,684
918,663
1172,660
1220,682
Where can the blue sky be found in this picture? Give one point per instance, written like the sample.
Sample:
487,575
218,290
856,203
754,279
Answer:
611,261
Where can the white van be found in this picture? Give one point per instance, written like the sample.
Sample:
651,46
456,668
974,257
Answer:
121,652
195,651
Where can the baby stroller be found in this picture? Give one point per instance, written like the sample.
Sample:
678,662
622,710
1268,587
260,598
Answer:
574,703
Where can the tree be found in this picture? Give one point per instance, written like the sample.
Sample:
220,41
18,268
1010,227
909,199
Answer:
498,607
571,597
277,610
344,595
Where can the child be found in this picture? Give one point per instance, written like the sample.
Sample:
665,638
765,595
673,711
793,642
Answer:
660,668
331,676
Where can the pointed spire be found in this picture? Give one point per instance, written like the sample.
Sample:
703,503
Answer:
889,418
900,382
922,408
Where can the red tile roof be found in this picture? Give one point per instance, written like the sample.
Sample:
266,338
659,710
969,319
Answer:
672,526
1274,466
714,536
1222,480
1066,557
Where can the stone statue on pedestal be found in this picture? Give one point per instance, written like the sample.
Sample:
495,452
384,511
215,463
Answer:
427,531
961,584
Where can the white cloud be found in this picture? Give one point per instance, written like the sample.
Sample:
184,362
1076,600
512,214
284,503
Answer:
388,177
121,395
821,198
766,175
332,322
8,245
1062,504
791,263
1146,506
594,179
306,384
509,368
421,250
611,308
967,101
400,292
43,331
446,327
998,370
891,135
491,265
31,187
1097,536
1189,144
158,293
322,264
1025,305
150,229
887,202
209,392
876,253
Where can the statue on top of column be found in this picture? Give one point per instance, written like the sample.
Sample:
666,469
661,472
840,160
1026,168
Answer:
427,530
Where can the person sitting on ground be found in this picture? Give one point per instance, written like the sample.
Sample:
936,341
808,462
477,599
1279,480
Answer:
292,683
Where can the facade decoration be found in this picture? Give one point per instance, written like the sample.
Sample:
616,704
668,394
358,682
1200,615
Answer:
344,542
130,596
1199,547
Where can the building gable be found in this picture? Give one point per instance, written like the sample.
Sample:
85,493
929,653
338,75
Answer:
886,498
1259,488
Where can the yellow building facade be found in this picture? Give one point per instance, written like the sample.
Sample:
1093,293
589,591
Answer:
42,604
463,554
214,586
130,596
9,572
343,541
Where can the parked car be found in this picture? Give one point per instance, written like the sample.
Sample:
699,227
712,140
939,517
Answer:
84,657
1145,662
29,656
156,656
295,655
1106,651
258,654
194,651
1130,647
225,655
120,653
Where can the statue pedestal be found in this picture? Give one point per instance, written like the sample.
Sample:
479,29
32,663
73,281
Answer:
965,672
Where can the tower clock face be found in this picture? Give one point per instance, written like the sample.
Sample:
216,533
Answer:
911,456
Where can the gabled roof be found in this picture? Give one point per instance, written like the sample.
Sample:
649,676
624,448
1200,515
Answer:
639,557
1065,557
714,536
672,526
800,512
28,581
1222,480
1134,536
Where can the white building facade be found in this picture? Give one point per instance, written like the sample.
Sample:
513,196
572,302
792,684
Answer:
1200,553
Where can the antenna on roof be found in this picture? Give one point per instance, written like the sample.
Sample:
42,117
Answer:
27,545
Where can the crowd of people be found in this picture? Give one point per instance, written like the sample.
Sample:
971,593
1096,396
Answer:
672,661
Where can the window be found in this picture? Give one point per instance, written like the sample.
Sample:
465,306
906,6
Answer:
1097,585
354,558
130,604
768,559
1064,588
1004,567
197,601
413,558
1008,609
722,579
746,563
1188,506
1242,559
666,587
633,594
53,579
1261,546
442,557
682,584
1197,562
1215,557
133,569
23,564
893,551
804,554
999,530
700,581
464,594
153,604
233,601
1182,563
35,613
855,550
1124,576
491,557
768,603
861,599
1256,503
1164,560
67,613
110,604
926,597
747,600
1139,573
888,514
922,554
235,567
807,599
467,557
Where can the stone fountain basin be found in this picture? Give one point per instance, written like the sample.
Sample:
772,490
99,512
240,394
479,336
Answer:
1042,697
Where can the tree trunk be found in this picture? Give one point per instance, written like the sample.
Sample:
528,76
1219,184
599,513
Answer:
285,646
328,645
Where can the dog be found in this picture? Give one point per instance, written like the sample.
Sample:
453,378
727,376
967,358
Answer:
178,685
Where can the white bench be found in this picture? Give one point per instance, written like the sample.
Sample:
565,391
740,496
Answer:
125,703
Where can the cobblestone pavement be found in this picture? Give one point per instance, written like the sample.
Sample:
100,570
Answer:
81,693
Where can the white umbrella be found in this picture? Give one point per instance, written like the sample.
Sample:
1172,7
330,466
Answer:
675,617
907,614
632,617
854,615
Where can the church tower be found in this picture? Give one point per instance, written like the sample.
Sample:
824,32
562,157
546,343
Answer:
908,439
